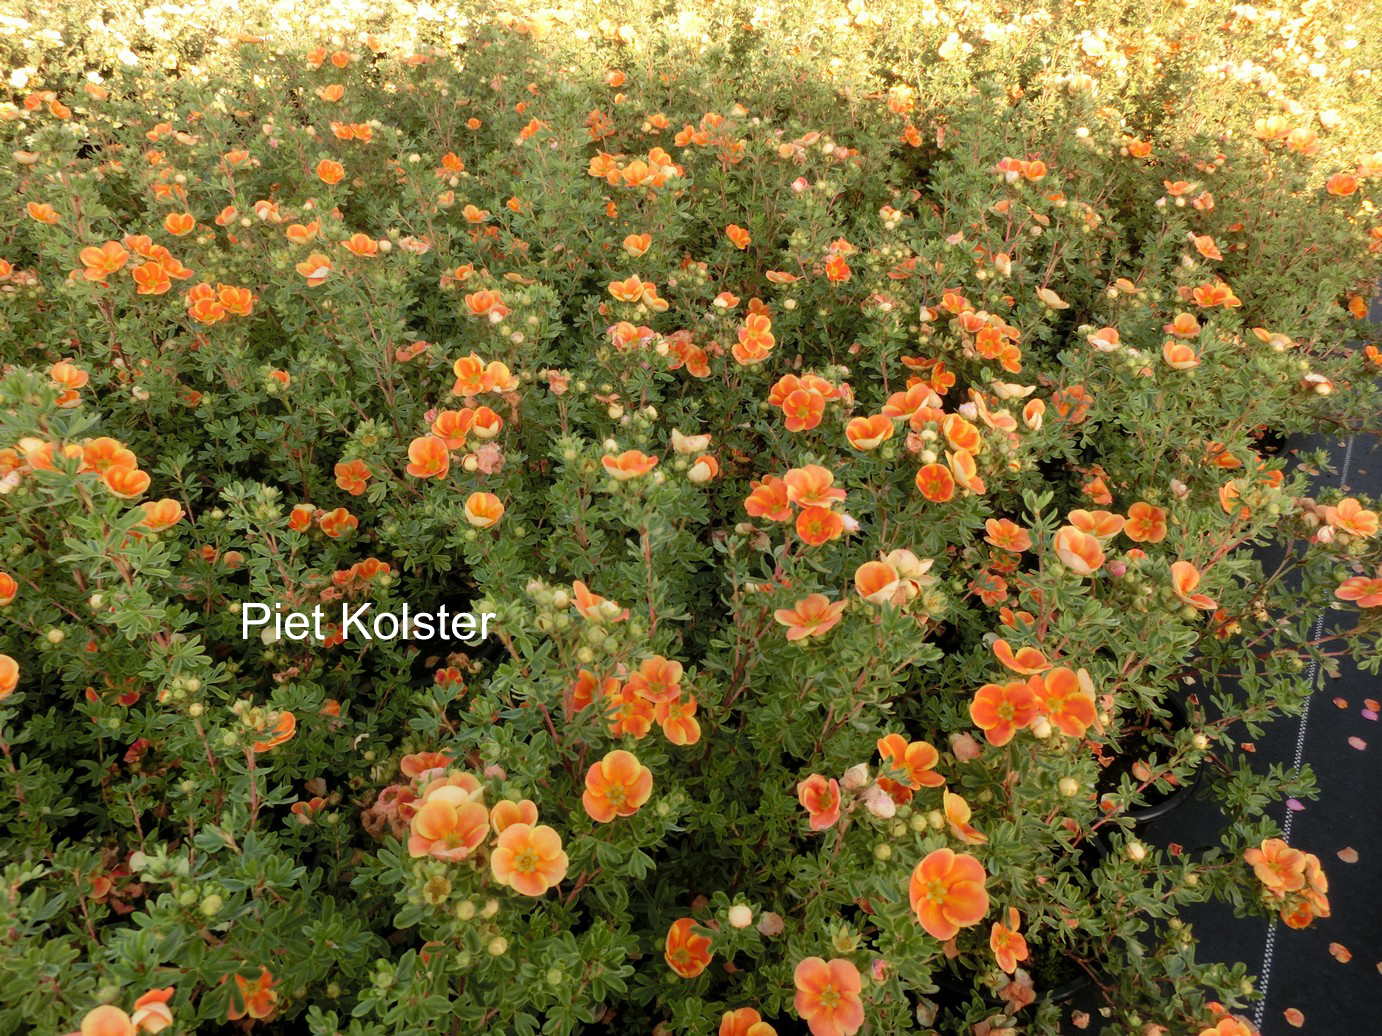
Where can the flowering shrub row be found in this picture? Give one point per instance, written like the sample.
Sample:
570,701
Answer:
863,472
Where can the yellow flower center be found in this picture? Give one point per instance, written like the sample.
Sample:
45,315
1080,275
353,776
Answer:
525,861
830,998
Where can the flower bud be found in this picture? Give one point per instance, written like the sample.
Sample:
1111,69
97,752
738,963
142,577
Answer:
879,803
965,747
769,924
855,777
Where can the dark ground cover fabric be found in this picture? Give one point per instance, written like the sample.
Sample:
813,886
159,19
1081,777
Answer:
1331,972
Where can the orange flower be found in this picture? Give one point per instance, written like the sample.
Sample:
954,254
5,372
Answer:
1007,535
151,1011
1349,516
657,679
957,814
450,823
9,676
302,233
878,582
338,522
827,996
961,434
285,726
158,515
428,457
1183,326
1341,185
452,426
507,812
738,236
936,483
803,409
255,999
821,800
629,714
316,268
68,375
1101,525
914,760
1179,356
352,476
756,340
107,1020
616,786
361,245
588,688
628,465
483,510
677,718
947,893
1215,293
702,470
744,1022
1280,868
1078,551
812,486
9,588
869,433
594,607
528,859
179,223
124,481
963,471
812,616
418,763
41,212
837,270
235,300
101,262
1184,578
1228,493
1205,245
1000,710
1066,698
1028,661
1229,1026
628,290
686,953
151,279
1072,403
486,424
637,245
819,525
1366,591
1008,946
1145,524
330,172
488,304
768,499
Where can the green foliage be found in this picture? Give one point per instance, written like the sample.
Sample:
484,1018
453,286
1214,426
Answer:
984,249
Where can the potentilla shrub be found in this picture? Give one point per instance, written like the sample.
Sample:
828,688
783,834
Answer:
500,545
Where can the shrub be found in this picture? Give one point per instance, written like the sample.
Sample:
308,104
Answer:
840,455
